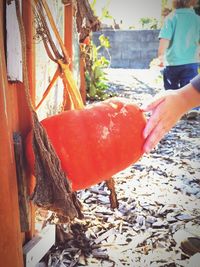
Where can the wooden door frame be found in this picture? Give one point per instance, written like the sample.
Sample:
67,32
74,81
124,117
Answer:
15,116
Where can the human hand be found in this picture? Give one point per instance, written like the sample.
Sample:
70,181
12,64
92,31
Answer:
166,109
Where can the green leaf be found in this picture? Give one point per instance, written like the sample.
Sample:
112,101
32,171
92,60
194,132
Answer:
104,41
92,90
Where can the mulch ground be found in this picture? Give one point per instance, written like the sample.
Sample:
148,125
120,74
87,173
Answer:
159,198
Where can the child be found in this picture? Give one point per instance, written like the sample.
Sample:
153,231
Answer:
179,45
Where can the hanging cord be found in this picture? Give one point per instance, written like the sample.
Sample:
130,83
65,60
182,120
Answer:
62,59
52,190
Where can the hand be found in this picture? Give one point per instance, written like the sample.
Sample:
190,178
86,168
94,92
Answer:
167,108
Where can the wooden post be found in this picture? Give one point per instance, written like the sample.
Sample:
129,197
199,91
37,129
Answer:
68,42
18,112
68,29
21,182
82,80
10,244
25,119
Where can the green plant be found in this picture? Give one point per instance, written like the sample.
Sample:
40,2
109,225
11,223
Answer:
95,75
149,23
105,9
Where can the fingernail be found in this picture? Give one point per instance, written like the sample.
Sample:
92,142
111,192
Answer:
147,150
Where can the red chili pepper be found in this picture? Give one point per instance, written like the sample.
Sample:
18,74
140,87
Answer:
95,143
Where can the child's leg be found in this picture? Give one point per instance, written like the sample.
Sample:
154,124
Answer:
171,78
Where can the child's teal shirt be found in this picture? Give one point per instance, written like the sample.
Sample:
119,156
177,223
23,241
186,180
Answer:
182,28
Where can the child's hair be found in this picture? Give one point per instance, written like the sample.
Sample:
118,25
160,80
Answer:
183,3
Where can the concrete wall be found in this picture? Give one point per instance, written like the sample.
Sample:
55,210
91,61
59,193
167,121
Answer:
130,48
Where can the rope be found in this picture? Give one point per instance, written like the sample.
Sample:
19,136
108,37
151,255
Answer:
62,60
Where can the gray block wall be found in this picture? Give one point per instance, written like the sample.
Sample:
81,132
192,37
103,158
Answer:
130,48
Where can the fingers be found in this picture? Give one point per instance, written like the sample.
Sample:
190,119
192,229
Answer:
153,121
156,126
154,137
166,111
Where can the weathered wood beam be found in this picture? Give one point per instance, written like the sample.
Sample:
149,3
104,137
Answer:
21,182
